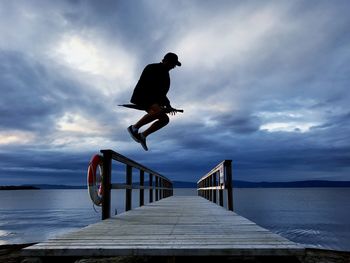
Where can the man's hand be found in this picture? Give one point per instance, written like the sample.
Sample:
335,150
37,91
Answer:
170,110
172,113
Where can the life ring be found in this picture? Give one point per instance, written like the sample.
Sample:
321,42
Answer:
94,179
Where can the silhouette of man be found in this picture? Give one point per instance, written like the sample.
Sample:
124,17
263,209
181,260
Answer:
150,93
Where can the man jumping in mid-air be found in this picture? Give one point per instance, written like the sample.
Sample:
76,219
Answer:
150,93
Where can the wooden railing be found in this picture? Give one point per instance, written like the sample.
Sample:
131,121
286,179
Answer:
215,182
161,185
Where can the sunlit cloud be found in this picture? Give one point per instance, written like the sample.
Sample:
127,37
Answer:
108,67
87,54
81,55
287,127
77,123
16,137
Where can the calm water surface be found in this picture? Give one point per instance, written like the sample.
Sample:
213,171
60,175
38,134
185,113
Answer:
317,217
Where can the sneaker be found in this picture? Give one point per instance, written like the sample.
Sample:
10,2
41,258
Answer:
134,134
143,142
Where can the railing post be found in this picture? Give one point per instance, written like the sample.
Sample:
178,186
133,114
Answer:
207,185
150,188
214,190
160,190
156,192
165,192
204,191
142,191
106,185
128,192
221,191
228,171
210,182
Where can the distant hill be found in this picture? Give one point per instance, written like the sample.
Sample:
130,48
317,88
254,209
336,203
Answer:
310,183
21,187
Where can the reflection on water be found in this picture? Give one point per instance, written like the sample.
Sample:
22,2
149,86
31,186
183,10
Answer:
313,216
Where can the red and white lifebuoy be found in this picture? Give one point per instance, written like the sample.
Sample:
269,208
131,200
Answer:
94,179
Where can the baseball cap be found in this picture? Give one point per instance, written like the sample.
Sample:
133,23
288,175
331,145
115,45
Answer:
173,58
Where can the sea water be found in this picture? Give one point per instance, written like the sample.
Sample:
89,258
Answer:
315,217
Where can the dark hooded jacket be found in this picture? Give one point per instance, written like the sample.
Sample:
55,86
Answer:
152,86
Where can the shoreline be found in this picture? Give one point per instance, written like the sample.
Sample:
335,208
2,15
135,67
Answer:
12,254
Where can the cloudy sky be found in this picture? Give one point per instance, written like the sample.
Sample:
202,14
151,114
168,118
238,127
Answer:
264,83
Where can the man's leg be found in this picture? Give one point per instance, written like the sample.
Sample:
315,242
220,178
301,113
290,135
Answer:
163,120
155,112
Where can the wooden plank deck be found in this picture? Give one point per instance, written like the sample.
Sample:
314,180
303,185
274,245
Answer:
174,226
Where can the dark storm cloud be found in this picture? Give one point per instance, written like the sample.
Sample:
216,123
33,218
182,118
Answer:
22,85
42,166
34,94
239,123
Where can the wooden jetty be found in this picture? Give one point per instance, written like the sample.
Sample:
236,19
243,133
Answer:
171,226
174,226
